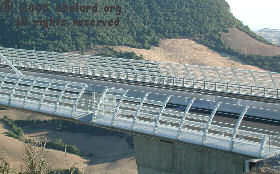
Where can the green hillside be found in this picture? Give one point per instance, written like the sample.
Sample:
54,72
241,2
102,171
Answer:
141,23
60,25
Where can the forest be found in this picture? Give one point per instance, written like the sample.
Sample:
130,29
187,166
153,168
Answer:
142,23
76,25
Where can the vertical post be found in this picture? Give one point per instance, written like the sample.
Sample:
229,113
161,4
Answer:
97,105
204,84
134,69
28,92
186,68
135,117
211,117
185,114
117,107
160,114
193,82
147,71
263,144
237,125
43,96
60,97
74,108
254,78
201,70
215,86
239,89
3,81
204,76
237,78
172,69
227,88
14,89
126,75
87,101
273,81
219,75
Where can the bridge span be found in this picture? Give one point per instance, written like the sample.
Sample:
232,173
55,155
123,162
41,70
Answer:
180,119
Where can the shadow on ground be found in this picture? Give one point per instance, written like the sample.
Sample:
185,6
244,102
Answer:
98,145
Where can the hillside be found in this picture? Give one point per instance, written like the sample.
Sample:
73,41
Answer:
241,41
186,51
36,24
99,156
77,25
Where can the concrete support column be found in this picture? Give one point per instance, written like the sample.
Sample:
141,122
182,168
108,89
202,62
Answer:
155,156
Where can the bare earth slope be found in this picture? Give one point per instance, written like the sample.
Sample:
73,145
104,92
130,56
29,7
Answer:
110,154
14,149
186,51
239,40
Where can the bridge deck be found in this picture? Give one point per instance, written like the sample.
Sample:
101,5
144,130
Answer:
254,83
140,111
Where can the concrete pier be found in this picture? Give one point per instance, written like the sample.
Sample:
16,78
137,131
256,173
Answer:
155,156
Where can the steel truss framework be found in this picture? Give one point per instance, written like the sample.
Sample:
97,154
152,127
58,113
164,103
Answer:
265,84
138,112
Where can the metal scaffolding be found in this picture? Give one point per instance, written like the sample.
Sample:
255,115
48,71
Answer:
40,94
247,82
138,112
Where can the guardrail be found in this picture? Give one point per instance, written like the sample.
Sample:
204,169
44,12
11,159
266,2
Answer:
246,82
138,112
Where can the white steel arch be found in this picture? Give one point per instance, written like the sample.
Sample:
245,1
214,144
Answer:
248,82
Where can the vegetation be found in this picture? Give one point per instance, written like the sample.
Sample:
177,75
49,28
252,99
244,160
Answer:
14,131
271,63
17,132
17,127
35,154
142,24
247,30
59,145
35,159
5,167
35,162
72,170
109,52
68,126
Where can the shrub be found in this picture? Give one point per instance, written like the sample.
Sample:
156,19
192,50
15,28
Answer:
4,165
15,131
66,171
59,145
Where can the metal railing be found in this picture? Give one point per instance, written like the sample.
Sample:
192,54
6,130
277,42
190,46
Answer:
247,82
140,112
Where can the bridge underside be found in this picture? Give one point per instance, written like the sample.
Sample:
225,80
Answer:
155,156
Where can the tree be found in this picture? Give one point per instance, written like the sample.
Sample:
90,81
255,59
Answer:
35,158
4,165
